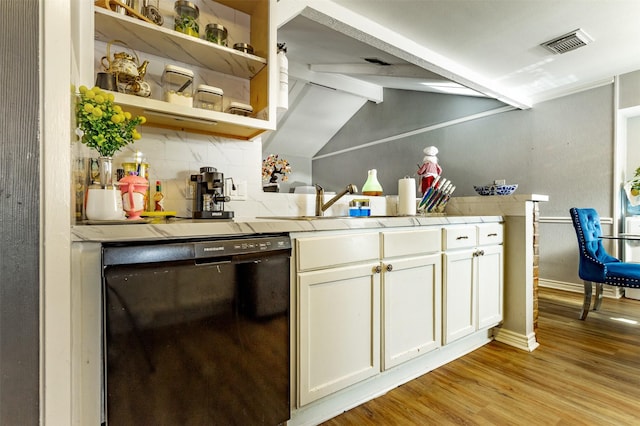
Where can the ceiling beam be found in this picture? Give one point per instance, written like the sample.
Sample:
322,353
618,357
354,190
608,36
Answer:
343,20
369,91
400,70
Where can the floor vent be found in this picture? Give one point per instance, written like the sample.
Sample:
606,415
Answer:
568,42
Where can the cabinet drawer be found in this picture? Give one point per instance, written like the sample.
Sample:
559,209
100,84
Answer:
332,250
459,237
403,243
490,233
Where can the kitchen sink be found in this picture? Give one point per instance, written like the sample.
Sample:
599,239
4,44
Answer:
305,217
320,217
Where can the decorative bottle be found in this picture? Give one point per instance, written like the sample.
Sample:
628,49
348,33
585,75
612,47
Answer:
372,186
158,198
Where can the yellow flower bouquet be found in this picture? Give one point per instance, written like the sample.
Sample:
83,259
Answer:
104,126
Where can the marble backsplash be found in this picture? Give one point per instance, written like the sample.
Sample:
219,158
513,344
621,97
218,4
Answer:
173,156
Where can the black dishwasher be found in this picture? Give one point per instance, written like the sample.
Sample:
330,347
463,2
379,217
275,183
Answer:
197,332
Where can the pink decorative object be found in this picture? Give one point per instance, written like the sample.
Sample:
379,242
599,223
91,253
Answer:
133,189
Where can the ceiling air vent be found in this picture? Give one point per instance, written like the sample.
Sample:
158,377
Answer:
377,61
568,42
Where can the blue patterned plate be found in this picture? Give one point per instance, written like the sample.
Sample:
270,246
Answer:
496,189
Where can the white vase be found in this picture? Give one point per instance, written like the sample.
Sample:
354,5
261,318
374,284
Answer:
104,204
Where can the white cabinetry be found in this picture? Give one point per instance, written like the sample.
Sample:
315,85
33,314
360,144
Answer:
490,285
338,312
368,301
458,293
473,279
411,265
350,328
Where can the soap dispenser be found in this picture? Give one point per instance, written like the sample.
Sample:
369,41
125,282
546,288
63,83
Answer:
372,186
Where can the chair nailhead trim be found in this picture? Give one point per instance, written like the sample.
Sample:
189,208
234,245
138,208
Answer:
615,281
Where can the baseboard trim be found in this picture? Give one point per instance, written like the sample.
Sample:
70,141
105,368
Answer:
561,285
517,340
609,291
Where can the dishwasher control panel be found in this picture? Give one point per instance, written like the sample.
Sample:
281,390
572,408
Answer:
240,246
129,254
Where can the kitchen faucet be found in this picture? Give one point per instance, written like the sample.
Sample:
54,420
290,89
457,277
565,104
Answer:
320,208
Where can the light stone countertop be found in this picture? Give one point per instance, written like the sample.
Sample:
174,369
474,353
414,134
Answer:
192,228
460,210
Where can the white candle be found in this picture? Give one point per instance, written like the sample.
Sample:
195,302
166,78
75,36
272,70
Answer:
406,197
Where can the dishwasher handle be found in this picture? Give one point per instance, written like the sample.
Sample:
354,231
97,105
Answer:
211,261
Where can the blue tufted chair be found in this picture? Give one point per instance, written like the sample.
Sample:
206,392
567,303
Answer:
596,265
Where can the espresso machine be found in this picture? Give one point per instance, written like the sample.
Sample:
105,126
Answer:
209,196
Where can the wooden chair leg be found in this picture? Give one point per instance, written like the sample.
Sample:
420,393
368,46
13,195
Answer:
587,299
598,301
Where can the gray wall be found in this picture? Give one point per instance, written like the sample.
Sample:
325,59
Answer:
630,95
19,218
402,111
563,148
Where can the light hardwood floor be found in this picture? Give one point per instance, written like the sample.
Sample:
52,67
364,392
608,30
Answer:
583,373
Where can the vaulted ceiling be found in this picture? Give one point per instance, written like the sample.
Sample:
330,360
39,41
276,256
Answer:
490,46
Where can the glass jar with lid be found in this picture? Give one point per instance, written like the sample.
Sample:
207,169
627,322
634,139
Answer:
177,83
186,20
216,33
239,108
208,97
244,47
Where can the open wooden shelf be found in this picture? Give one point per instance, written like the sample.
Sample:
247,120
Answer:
171,116
167,43
145,37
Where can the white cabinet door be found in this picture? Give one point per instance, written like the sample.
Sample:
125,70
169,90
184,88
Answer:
459,295
339,328
473,279
411,315
490,286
